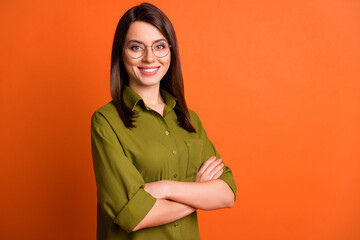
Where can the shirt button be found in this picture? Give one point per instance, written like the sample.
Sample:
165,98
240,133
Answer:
175,224
174,152
175,175
167,133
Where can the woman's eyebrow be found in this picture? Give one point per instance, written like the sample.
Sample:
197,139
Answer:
159,40
137,41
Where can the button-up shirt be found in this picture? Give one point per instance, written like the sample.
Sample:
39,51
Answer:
126,158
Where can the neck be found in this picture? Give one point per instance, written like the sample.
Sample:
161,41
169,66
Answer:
151,95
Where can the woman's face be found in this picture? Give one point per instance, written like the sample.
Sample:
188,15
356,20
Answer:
148,69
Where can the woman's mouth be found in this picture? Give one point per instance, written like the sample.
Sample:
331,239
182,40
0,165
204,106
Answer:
148,71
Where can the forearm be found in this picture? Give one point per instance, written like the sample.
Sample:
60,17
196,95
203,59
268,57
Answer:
209,195
164,211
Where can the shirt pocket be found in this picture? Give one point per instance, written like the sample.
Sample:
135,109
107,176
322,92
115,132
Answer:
194,147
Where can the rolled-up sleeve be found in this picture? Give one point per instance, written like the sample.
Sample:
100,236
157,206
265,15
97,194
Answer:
209,151
227,175
120,186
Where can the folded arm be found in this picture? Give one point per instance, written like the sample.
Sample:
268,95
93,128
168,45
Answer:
207,193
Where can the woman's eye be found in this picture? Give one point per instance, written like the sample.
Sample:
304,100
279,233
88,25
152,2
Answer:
135,48
159,47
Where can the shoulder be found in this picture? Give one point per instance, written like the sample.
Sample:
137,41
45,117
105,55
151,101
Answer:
106,113
107,109
193,115
195,120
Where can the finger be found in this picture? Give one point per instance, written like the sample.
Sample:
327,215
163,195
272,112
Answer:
215,170
205,173
218,174
214,174
212,166
206,164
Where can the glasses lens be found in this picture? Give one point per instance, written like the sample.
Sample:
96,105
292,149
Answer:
160,49
135,50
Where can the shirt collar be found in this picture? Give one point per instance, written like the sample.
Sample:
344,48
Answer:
131,98
169,99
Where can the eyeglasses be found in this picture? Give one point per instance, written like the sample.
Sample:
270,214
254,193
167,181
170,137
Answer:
137,49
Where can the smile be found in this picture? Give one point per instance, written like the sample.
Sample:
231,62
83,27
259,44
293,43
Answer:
149,71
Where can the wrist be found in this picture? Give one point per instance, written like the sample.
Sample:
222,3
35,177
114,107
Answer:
167,188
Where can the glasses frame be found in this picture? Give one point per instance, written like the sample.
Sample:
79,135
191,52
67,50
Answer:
145,49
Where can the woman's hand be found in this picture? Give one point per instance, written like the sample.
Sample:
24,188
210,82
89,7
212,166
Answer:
211,169
158,190
207,192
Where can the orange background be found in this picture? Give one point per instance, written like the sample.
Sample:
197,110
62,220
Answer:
276,84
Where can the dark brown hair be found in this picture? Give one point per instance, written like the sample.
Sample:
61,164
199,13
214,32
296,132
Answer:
171,82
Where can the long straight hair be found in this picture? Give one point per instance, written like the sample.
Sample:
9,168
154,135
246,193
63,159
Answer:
171,82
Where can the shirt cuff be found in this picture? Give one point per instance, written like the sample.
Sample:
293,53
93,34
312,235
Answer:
228,178
135,210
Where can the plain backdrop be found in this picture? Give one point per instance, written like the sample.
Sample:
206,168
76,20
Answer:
276,84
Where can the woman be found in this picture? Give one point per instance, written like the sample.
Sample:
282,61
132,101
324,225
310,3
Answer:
154,164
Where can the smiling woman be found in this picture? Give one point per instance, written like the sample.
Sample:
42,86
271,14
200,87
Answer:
154,164
146,58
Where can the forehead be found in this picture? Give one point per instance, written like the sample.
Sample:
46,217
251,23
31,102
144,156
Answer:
144,32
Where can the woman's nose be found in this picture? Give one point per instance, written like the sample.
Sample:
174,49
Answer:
149,55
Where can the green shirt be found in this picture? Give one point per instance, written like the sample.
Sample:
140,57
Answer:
126,158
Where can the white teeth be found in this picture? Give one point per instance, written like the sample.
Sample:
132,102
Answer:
148,69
